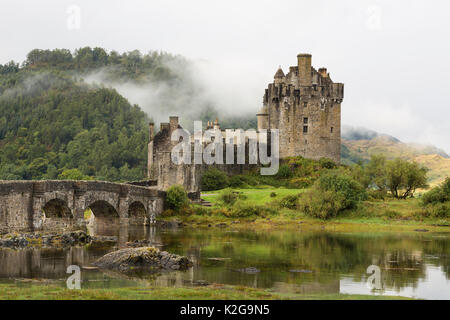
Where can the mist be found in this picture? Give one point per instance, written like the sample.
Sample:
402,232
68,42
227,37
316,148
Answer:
203,88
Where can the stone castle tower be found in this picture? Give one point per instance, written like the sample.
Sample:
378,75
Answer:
305,105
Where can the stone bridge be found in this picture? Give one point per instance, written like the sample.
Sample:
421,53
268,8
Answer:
40,205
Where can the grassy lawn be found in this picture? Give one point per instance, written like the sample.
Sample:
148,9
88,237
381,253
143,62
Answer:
212,292
259,196
382,215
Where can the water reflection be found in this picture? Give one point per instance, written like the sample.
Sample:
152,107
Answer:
292,262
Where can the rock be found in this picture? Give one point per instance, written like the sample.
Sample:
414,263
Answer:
300,271
250,270
15,241
221,225
421,230
142,259
219,259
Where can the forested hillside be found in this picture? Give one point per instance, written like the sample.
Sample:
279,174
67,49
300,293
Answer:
52,125
56,124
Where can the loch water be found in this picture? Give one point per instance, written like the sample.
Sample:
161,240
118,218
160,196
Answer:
286,261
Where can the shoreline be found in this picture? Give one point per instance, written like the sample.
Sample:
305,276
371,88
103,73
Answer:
307,224
45,291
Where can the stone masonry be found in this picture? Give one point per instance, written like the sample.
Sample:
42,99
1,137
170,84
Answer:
305,105
39,205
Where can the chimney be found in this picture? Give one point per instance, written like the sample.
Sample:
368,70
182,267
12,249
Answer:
304,69
173,123
151,127
323,72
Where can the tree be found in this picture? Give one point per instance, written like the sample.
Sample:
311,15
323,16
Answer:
214,179
176,197
403,178
376,172
73,174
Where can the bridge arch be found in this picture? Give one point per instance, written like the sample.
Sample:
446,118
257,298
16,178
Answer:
57,208
103,209
56,214
137,213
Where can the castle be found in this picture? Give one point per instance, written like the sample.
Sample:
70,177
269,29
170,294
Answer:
304,105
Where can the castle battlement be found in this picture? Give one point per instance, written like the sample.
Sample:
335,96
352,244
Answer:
305,105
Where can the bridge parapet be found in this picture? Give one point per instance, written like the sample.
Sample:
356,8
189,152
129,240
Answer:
36,205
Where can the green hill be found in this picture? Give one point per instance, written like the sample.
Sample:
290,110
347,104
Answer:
51,121
359,144
54,124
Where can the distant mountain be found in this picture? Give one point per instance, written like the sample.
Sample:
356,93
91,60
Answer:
358,144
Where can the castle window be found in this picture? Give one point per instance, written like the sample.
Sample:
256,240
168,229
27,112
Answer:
305,120
306,141
305,129
331,130
305,104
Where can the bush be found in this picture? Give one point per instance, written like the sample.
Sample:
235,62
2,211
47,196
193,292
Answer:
391,214
438,194
176,198
273,194
440,210
242,210
284,171
321,204
236,182
301,183
214,179
168,213
228,197
377,194
327,163
289,201
352,191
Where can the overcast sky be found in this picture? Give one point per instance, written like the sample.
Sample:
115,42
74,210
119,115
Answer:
393,56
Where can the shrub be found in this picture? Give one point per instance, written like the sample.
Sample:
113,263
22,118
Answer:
168,213
440,210
273,194
242,210
301,183
284,171
438,194
321,204
352,191
73,174
391,214
377,194
176,198
214,179
201,211
289,201
221,212
236,182
228,197
327,163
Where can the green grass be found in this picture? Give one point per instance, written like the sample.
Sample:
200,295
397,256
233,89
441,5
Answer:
211,292
257,196
375,215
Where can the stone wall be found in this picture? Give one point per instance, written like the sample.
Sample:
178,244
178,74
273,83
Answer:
306,108
38,205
